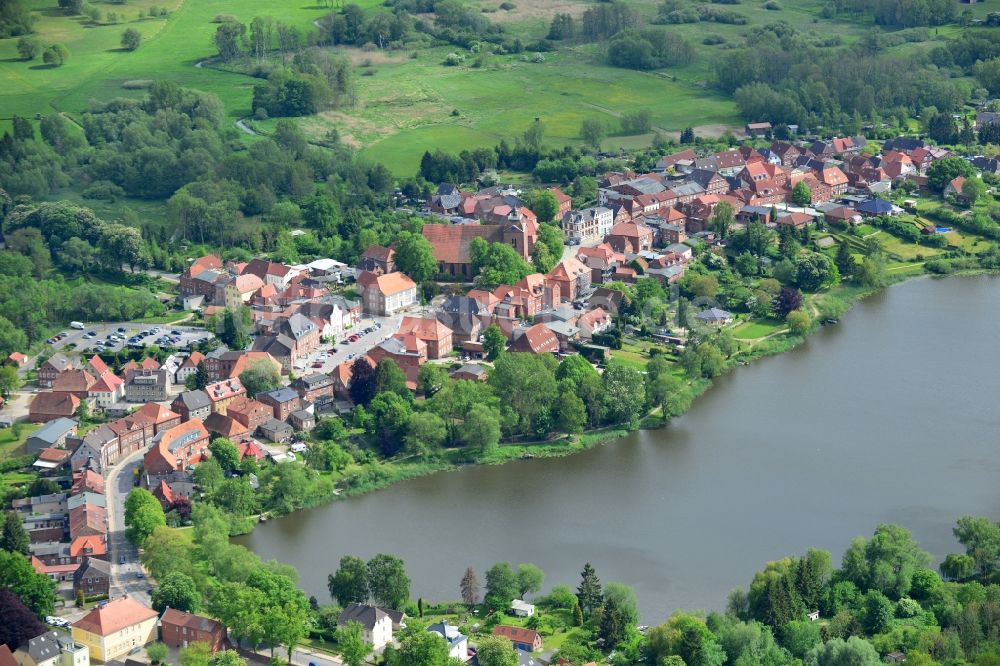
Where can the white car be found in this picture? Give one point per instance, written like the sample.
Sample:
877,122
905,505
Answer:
56,621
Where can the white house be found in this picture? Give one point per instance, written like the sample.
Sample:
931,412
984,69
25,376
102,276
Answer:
522,608
376,624
458,644
52,648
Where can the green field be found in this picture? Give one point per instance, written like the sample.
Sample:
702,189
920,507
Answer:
406,105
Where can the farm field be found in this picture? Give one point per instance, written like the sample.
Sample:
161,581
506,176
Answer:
405,105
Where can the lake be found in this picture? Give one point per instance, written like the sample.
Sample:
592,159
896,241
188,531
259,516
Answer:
889,416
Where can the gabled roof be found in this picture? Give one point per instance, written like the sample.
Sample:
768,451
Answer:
54,430
178,618
366,616
54,402
115,616
193,400
425,328
157,413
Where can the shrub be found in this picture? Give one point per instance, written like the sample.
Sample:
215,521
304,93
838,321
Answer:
711,40
507,6
772,6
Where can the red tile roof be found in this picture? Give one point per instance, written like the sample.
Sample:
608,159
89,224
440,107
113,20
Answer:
115,616
394,283
451,241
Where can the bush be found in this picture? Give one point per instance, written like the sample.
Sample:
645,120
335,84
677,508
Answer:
507,6
453,60
712,40
772,6
104,190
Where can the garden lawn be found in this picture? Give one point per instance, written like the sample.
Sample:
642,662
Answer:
758,328
11,445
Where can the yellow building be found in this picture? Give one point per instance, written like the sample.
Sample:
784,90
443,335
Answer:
110,631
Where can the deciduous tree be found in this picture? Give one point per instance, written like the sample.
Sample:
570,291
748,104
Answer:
387,581
143,514
470,587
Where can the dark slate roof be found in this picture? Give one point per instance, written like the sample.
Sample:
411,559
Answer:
274,425
875,206
44,647
194,400
367,616
714,314
283,394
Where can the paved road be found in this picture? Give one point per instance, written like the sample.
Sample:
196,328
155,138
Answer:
118,483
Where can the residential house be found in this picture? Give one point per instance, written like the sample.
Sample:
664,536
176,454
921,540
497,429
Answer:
668,162
161,418
145,385
249,412
433,332
6,657
302,420
874,206
528,640
521,608
16,359
76,381
378,259
302,330
714,316
587,225
566,333
276,431
229,364
198,279
48,406
954,187
95,452
238,290
834,178
786,152
565,201
458,644
51,461
537,339
531,295
223,425
465,317
386,295
192,405
711,181
312,386
472,372
342,377
376,623
189,367
52,368
51,435
842,215
53,648
409,352
984,118
594,321
572,276
282,401
92,577
221,394
176,448
87,481
178,629
630,237
112,630
271,273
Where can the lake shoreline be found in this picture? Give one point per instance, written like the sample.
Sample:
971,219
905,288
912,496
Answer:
570,445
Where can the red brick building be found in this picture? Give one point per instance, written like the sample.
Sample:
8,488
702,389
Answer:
179,629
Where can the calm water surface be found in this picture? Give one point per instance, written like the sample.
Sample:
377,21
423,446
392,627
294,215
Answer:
889,416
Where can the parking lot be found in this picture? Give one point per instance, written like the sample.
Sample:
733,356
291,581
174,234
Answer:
111,337
328,357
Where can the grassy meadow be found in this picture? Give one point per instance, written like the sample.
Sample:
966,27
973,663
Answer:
407,101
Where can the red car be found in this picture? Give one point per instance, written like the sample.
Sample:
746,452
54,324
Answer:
318,364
